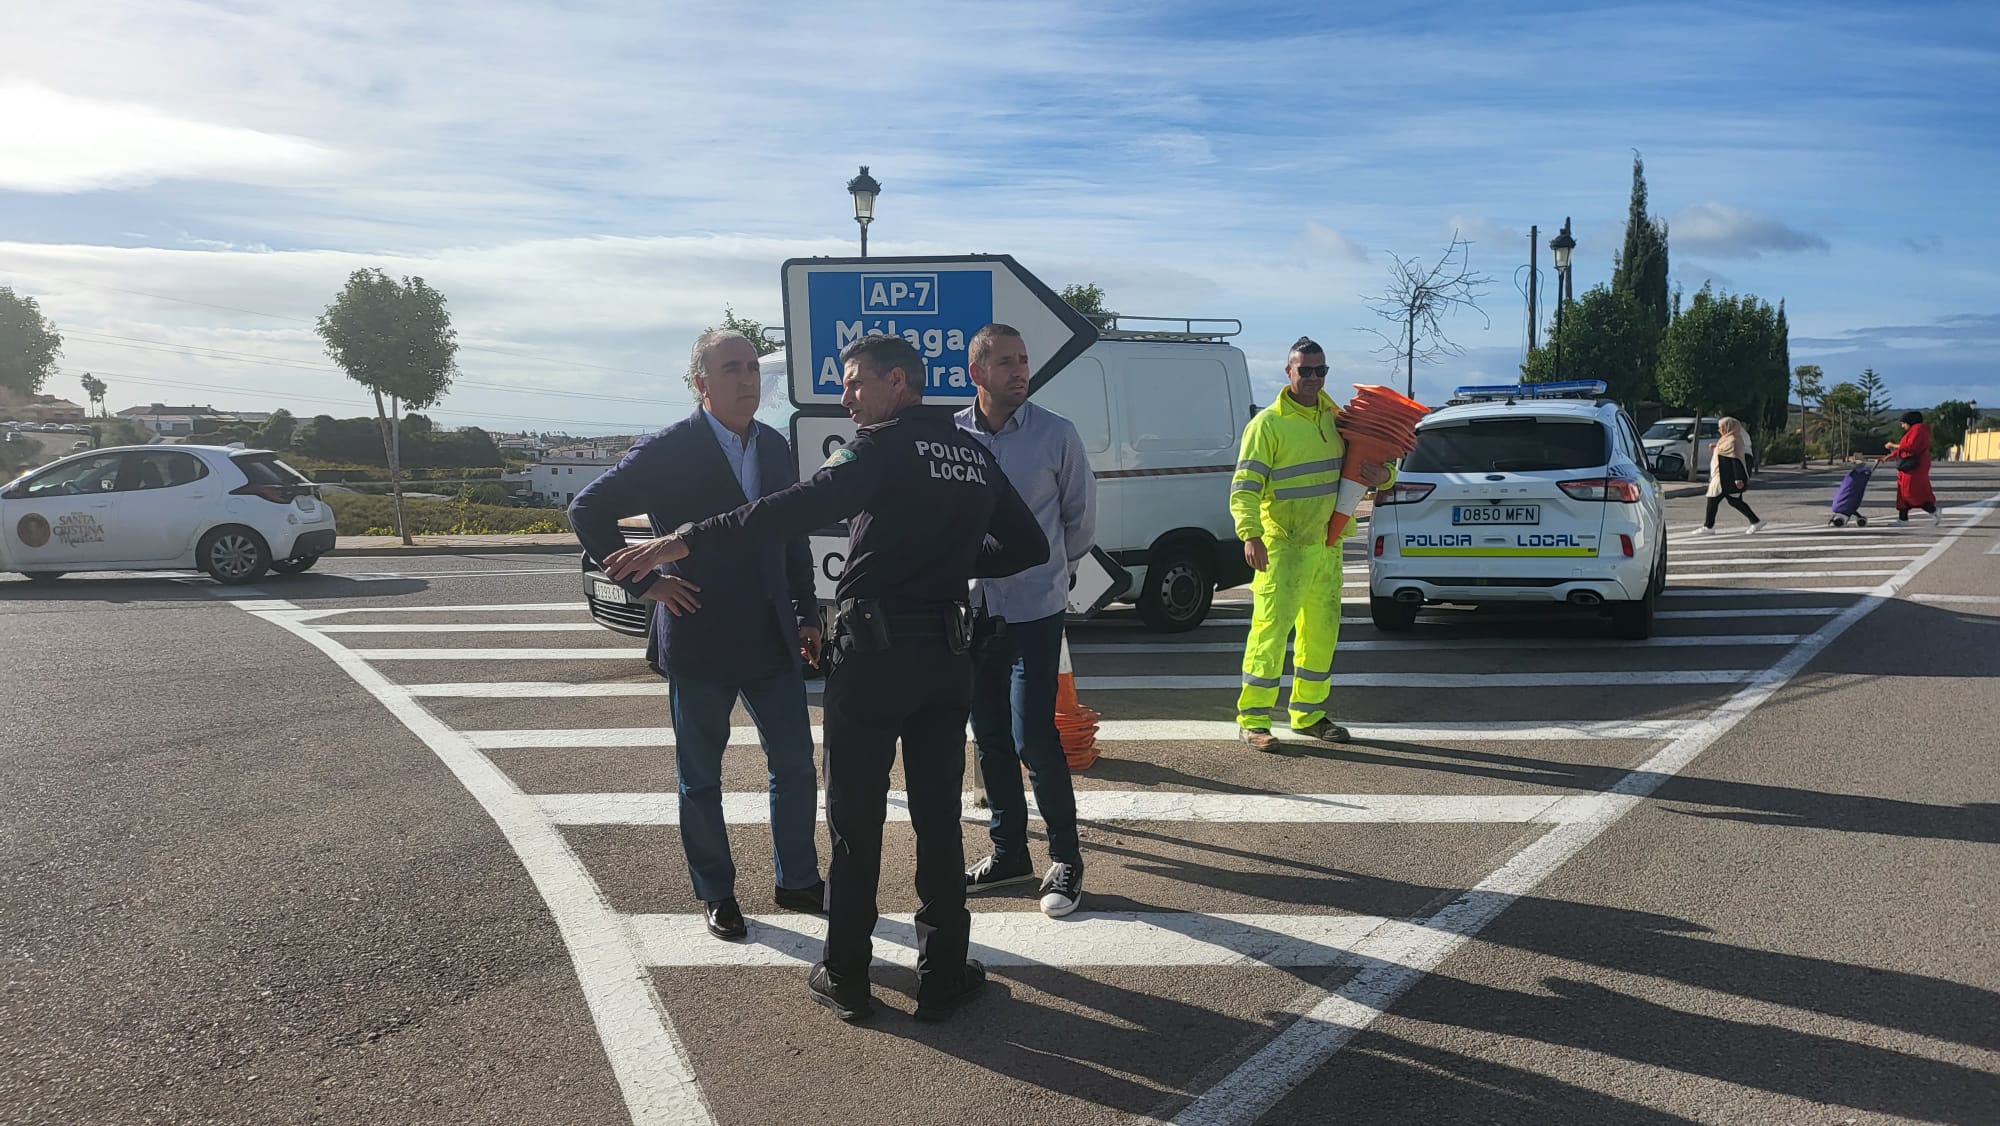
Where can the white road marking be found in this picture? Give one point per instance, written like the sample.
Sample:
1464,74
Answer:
1400,645
523,607
1781,575
1757,591
602,653
538,690
1849,543
467,627
652,1067
1395,959
1750,612
1132,731
383,576
754,808
1742,561
1593,679
1022,938
1961,599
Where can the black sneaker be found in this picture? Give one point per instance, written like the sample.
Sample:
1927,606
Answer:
989,874
850,1002
1062,889
957,997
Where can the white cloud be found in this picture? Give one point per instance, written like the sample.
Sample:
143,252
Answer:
1324,241
1730,232
56,142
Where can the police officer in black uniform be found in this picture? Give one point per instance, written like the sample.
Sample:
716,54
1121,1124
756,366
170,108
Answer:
927,509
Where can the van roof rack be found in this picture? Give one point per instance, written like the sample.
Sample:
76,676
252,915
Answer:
1118,326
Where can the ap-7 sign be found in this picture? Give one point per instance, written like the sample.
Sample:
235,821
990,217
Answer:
936,304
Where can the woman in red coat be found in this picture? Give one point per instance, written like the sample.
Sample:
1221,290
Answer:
1913,469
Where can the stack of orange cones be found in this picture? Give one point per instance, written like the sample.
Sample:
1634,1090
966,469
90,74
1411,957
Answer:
1379,426
1075,723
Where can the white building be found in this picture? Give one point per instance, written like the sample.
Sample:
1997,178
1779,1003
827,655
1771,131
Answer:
557,478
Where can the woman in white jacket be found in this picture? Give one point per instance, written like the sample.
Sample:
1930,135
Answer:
1728,476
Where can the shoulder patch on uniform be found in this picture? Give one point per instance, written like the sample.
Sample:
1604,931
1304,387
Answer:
841,456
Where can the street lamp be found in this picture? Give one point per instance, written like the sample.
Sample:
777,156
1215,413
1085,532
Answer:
864,189
1560,246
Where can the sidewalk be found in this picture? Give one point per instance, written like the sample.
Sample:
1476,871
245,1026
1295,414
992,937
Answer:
1767,475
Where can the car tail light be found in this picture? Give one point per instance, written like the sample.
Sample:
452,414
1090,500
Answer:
1400,493
1602,488
277,494
1626,542
1378,546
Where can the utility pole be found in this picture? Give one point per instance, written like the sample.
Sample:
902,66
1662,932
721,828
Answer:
1534,233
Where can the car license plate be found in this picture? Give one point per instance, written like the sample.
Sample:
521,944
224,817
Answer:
607,592
1496,513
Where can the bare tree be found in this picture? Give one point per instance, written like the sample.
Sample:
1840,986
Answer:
1420,299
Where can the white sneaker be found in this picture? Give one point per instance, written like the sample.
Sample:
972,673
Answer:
1752,529
1937,520
1702,532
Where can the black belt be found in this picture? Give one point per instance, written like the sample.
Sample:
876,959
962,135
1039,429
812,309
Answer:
869,627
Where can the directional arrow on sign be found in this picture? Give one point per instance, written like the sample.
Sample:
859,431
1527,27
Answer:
936,303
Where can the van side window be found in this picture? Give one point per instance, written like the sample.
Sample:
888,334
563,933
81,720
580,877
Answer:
1180,404
1077,393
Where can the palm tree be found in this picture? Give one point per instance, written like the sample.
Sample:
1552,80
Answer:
94,387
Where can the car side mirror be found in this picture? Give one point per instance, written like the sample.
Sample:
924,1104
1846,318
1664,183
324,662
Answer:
1670,466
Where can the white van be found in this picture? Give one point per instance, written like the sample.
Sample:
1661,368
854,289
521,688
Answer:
1161,412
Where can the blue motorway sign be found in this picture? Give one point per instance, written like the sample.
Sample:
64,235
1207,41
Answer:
936,304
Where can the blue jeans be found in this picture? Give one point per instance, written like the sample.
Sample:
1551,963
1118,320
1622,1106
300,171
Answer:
777,705
1014,722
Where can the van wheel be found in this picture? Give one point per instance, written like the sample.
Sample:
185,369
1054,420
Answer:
233,555
1179,588
1391,616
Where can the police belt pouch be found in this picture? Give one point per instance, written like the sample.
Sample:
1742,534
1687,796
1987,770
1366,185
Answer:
866,626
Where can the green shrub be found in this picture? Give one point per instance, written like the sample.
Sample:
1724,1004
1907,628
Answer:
365,514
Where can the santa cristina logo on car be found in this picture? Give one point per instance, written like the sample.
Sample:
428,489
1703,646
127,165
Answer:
33,530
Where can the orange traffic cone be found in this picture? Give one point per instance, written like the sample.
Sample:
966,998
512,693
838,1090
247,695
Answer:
1075,723
1378,426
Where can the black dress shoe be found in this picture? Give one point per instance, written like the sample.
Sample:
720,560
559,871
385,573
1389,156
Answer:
725,919
850,1001
954,997
811,900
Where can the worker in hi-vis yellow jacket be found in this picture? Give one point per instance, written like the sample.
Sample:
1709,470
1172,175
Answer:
1282,497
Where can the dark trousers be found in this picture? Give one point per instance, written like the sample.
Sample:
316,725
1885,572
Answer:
777,705
1014,722
1735,502
917,691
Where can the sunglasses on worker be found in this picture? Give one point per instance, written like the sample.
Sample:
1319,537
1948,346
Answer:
1311,371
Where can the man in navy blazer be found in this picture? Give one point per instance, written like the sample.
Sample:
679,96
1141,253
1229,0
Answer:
727,626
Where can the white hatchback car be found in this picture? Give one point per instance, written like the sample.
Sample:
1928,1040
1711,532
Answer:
1537,493
234,513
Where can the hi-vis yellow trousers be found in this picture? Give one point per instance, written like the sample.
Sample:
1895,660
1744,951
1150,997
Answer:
1300,590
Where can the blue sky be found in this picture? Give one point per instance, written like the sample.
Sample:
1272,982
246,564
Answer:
185,185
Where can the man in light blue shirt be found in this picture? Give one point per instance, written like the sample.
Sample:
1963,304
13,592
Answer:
1019,622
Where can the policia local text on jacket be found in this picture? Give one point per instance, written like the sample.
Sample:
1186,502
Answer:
1286,484
928,509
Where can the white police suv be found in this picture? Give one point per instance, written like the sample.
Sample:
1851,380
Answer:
1523,494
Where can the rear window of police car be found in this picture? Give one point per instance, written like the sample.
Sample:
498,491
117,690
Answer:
1509,445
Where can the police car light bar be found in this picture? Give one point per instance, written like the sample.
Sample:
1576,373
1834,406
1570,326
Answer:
1565,389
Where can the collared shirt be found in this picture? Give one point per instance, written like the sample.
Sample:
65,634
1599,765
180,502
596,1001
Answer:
741,452
1043,455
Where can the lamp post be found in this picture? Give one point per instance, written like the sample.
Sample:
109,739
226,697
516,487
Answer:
864,189
1560,246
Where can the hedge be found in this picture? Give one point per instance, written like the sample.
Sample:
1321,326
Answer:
360,514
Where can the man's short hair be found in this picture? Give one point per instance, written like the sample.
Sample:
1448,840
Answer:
982,341
1307,346
705,343
879,353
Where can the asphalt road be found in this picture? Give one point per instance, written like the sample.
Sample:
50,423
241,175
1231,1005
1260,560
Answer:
393,843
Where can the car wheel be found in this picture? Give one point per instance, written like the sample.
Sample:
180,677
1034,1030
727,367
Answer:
44,576
1179,587
294,565
1633,621
1391,616
233,555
